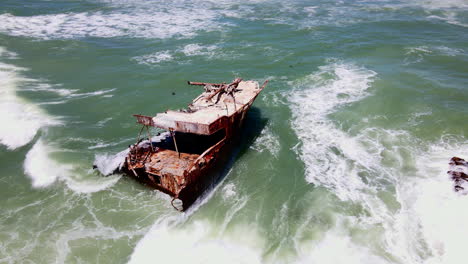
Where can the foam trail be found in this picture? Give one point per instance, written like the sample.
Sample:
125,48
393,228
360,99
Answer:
82,184
20,119
337,161
328,152
267,141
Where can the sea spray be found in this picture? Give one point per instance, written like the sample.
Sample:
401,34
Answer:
108,164
43,170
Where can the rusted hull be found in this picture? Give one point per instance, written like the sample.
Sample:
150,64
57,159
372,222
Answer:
201,176
202,180
205,180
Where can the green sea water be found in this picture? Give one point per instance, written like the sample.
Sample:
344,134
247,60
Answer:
343,156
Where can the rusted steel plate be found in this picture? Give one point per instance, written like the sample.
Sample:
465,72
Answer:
144,120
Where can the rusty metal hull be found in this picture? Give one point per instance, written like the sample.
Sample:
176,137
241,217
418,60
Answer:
208,129
198,178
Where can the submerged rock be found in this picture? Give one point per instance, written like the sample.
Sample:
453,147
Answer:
458,172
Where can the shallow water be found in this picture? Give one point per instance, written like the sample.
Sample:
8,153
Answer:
343,158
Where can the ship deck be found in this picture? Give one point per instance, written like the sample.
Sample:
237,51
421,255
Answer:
166,162
205,111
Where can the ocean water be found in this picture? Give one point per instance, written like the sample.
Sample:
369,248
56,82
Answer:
343,158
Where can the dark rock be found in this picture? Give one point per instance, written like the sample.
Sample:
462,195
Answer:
457,173
458,161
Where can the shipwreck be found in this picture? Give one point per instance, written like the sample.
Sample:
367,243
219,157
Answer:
197,141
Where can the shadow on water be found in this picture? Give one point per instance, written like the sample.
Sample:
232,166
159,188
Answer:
254,123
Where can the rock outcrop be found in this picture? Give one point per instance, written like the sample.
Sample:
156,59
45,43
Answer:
458,172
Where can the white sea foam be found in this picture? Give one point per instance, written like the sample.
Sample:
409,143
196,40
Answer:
79,231
189,50
7,54
88,182
415,118
44,170
274,98
450,11
154,58
165,19
427,228
103,122
39,166
420,49
267,141
155,20
436,4
450,51
195,243
416,54
99,145
89,94
340,162
45,87
20,119
336,248
107,164
432,213
229,191
328,152
199,50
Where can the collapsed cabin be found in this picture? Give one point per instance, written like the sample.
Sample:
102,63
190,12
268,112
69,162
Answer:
178,162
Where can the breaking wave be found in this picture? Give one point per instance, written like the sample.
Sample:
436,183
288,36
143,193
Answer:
44,170
144,20
108,164
182,19
21,120
195,243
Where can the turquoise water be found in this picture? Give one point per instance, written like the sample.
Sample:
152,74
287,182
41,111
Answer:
343,158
